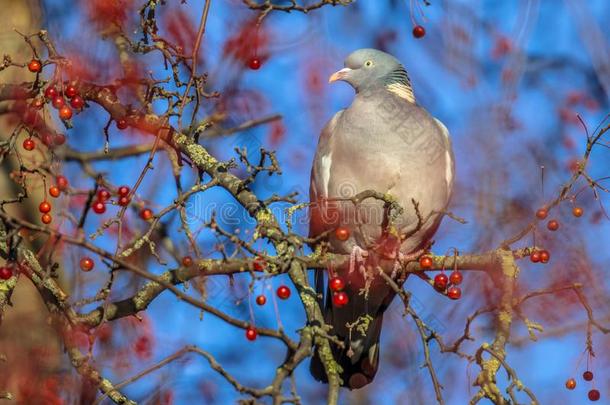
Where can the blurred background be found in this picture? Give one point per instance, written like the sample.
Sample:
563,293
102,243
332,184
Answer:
507,78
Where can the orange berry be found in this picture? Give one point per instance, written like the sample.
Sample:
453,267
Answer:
261,300
425,262
86,264
54,191
44,207
553,225
35,66
342,233
46,219
146,214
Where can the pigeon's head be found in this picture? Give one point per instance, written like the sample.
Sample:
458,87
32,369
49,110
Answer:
365,68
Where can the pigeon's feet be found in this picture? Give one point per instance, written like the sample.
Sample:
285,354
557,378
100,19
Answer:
404,259
357,258
397,265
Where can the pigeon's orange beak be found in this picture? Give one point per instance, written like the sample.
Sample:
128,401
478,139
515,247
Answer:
340,75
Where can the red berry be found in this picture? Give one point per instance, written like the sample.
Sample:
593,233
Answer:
261,300
542,213
342,233
103,195
283,292
454,292
544,256
47,139
50,92
440,281
46,219
30,117
86,264
123,201
77,102
419,31
425,262
121,124
146,214
58,102
336,284
62,182
44,207
38,103
254,63
340,299
99,207
59,139
577,212
6,273
553,225
142,347
594,395
29,144
571,384
251,333
587,376
70,91
54,191
123,191
535,256
187,261
455,277
35,66
65,113
259,264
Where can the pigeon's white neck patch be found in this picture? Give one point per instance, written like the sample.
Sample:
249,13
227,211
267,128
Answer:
402,90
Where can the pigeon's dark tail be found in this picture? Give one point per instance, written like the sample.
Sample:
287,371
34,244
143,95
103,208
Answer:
358,325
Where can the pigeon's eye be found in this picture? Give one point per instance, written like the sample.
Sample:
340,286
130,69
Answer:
368,63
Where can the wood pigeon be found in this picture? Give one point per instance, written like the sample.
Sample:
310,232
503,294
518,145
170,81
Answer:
387,143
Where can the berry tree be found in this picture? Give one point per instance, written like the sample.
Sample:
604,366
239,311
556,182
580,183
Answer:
134,214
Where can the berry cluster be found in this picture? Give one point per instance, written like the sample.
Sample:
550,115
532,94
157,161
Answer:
442,283
543,256
58,100
65,102
283,292
340,297
593,395
44,208
103,195
540,256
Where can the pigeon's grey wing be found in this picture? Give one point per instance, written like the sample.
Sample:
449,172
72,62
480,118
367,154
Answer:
450,167
320,172
320,177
